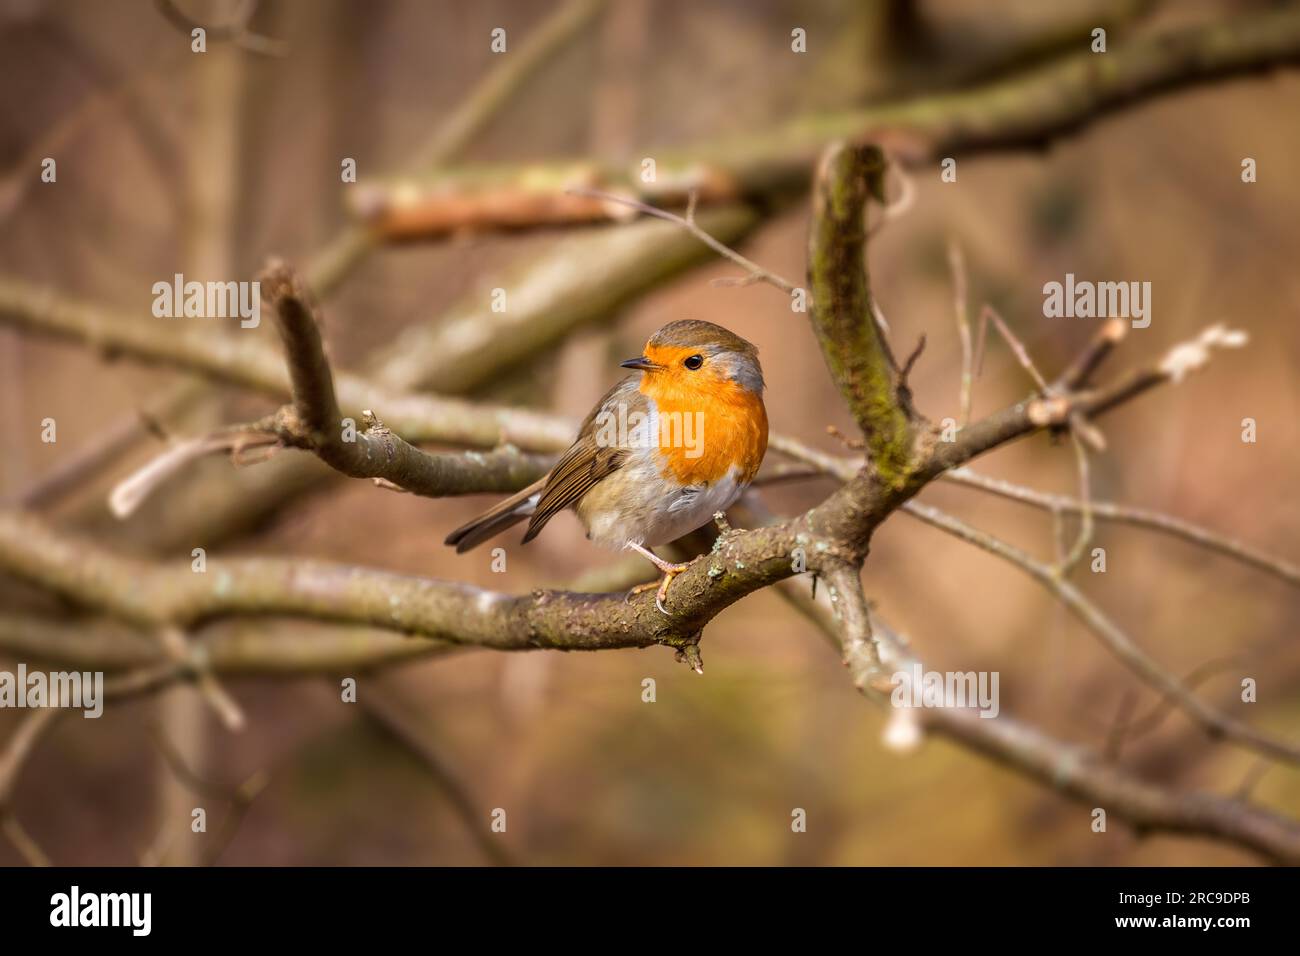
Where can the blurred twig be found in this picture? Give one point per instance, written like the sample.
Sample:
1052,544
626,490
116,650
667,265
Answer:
233,30
16,752
385,710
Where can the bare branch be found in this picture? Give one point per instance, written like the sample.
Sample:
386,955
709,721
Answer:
753,271
1082,776
1139,517
1031,107
235,30
128,494
1116,641
1079,373
251,362
960,295
19,748
234,648
496,90
386,709
1056,410
314,421
1067,768
150,595
101,452
860,361
501,85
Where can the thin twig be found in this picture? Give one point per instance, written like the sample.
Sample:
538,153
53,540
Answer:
20,747
235,30
1079,372
1138,517
180,651
106,448
389,714
989,314
753,271
957,266
1085,500
1119,643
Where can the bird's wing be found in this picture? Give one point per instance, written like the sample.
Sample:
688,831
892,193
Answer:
498,518
589,459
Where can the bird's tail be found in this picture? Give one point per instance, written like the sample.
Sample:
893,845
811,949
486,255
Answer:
496,519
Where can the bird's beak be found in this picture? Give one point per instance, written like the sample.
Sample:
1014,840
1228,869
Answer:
641,364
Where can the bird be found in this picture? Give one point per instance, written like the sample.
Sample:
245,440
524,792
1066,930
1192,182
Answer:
658,456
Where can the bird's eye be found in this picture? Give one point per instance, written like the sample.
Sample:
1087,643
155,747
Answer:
694,362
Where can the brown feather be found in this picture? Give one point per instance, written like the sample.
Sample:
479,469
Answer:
498,518
586,462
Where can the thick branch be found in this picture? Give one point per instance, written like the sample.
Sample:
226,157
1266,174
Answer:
314,421
153,595
856,352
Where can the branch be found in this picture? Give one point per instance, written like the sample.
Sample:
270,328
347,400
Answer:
490,96
146,594
235,30
1214,724
1030,108
314,421
753,271
103,450
233,647
860,361
253,363
16,752
1084,777
1139,517
582,279
1068,768
387,711
1057,409
497,89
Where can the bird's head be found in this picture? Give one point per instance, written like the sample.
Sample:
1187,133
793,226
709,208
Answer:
694,357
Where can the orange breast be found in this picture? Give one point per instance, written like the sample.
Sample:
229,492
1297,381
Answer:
707,429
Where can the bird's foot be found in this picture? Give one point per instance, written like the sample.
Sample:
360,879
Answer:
660,586
669,570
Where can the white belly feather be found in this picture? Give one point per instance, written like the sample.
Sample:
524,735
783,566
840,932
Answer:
637,504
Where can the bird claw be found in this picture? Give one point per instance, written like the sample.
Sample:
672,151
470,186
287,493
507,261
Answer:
640,589
670,572
660,587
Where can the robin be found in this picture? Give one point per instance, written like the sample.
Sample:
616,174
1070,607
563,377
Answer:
658,456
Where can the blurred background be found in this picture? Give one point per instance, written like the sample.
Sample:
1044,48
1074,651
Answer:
170,161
